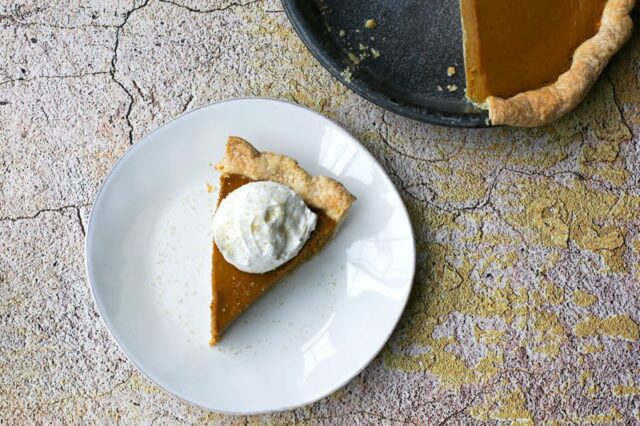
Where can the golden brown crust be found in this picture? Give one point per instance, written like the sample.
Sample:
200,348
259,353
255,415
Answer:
320,192
541,106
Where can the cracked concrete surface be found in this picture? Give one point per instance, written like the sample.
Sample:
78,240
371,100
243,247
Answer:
526,303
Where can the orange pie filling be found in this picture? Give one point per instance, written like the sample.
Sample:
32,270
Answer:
234,290
513,46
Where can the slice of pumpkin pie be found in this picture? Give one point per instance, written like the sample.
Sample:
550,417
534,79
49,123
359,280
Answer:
272,216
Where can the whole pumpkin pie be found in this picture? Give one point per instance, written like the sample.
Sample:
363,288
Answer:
531,61
268,208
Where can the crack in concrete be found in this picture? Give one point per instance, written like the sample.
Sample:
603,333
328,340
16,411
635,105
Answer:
500,216
385,140
212,10
52,77
608,186
82,228
358,413
616,101
17,18
487,198
479,205
480,392
16,22
166,413
46,116
46,210
114,59
545,175
97,395
114,62
455,414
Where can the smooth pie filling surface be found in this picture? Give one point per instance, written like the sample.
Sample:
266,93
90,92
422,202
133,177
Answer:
512,46
234,290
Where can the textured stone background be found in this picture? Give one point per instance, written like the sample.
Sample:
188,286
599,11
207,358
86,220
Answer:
527,297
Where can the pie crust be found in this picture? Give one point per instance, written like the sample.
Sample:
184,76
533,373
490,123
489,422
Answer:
319,192
541,106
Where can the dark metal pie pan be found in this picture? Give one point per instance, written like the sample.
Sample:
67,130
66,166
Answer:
402,64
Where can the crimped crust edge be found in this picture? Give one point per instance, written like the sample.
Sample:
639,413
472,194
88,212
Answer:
538,107
320,192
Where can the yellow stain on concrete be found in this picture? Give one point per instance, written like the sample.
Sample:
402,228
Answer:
449,289
585,377
613,416
592,348
551,214
626,390
463,186
604,152
619,326
219,418
550,218
554,293
451,278
489,337
546,214
584,299
587,383
489,366
603,162
551,334
593,390
636,247
140,383
507,407
501,260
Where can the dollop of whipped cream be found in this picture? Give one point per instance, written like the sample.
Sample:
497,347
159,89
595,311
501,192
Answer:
262,225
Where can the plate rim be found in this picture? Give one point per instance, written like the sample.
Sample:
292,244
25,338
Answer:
100,308
362,88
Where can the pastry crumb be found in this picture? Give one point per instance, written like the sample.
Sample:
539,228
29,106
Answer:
362,46
451,71
210,187
346,74
371,24
452,87
375,53
440,89
341,33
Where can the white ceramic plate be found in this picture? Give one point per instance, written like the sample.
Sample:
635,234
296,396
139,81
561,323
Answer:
148,254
